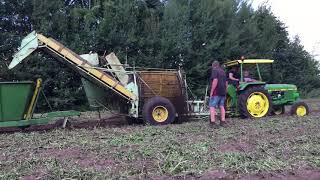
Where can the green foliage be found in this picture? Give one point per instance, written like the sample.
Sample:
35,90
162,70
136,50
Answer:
185,34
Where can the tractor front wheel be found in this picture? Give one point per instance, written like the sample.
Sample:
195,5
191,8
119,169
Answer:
255,102
299,109
158,111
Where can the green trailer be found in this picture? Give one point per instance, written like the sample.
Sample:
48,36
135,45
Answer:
18,101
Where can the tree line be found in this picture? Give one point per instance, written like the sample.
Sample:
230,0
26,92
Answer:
185,34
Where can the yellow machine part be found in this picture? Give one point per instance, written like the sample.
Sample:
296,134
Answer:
85,66
258,104
37,89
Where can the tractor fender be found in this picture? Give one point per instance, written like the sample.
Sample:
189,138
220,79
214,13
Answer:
244,86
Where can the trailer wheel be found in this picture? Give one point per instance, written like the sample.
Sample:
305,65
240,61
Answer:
158,111
299,109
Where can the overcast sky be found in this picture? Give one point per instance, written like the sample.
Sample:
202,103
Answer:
302,17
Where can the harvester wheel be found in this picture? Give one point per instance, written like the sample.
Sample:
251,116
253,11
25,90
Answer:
255,102
158,111
278,110
299,109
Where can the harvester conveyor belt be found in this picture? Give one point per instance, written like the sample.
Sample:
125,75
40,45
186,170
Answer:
72,59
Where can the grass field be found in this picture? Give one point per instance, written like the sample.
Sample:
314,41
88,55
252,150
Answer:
272,147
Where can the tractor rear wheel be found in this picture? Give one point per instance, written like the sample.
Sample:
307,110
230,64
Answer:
299,109
158,111
255,102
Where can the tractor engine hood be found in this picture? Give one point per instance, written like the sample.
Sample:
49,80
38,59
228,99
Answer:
281,87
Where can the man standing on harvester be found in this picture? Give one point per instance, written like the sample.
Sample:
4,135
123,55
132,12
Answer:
218,93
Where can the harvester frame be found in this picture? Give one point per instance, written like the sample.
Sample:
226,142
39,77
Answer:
157,96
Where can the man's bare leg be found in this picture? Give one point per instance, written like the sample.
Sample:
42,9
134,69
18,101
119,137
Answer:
222,113
223,116
213,114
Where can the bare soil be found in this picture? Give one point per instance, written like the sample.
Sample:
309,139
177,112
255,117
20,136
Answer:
278,147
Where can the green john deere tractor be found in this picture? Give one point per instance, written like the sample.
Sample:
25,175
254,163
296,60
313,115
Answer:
253,98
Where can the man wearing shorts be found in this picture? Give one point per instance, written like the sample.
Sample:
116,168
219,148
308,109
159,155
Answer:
218,93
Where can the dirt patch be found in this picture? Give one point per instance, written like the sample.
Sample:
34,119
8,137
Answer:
81,158
216,174
46,127
302,174
39,174
2,157
112,121
235,146
292,175
61,153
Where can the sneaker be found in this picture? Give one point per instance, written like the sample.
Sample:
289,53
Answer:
214,125
223,124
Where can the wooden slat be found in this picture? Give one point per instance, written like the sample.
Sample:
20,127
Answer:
165,84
